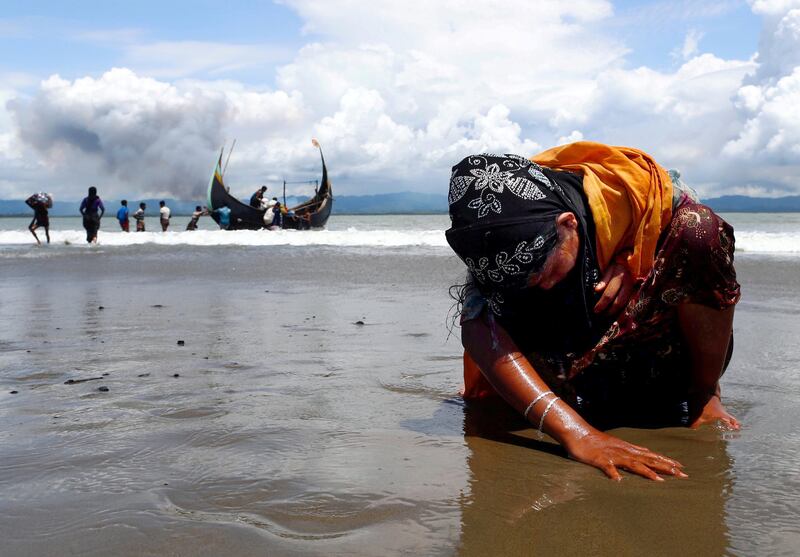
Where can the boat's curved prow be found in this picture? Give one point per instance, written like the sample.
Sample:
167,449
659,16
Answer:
215,182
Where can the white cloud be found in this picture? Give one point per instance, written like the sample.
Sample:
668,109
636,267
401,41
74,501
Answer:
773,7
755,191
768,103
771,132
125,131
398,92
575,135
691,45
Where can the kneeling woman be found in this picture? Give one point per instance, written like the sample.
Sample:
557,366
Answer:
599,293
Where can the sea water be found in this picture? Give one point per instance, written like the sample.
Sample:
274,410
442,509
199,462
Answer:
758,233
312,407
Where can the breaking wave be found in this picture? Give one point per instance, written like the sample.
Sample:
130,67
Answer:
779,243
350,237
768,242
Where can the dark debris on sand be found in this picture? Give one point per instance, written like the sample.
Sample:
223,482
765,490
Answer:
76,381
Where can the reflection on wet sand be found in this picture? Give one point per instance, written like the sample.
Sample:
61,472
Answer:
526,497
292,431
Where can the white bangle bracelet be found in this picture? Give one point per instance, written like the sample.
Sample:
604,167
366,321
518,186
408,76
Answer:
546,410
535,400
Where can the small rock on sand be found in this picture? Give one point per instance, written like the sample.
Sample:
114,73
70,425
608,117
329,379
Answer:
181,343
176,374
102,389
13,392
143,375
359,322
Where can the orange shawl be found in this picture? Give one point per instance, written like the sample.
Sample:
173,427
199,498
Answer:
630,197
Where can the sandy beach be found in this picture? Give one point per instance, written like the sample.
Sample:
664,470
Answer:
281,426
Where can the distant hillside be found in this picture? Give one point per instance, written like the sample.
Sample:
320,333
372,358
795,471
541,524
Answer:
389,203
10,208
398,203
404,202
744,204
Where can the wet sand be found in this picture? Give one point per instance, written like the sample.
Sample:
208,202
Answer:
291,430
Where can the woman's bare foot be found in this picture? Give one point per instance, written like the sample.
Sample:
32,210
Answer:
714,412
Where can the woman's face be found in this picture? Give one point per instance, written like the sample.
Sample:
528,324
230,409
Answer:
562,260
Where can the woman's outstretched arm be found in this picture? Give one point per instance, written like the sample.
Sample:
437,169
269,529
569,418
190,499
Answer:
515,379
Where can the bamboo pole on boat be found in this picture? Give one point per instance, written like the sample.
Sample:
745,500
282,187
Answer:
229,157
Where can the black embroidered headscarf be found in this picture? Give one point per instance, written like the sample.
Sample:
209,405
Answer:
503,210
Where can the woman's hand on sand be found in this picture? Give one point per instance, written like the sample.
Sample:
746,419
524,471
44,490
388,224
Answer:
610,454
617,288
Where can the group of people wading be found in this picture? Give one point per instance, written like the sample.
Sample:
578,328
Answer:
92,211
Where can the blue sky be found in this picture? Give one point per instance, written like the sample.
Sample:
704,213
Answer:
657,29
83,37
80,38
396,92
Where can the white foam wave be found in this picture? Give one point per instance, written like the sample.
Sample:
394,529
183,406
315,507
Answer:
746,241
768,242
352,237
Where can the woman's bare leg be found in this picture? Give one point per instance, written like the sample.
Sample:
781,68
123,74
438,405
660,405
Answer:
707,332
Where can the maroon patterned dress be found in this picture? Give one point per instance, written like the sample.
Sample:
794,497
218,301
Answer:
639,368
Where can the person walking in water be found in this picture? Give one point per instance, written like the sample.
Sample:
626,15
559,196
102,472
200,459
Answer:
92,210
164,213
278,213
122,216
139,216
224,214
40,202
198,212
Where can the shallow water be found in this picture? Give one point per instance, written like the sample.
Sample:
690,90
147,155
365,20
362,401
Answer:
292,430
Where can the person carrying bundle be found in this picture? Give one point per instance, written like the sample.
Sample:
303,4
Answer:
40,203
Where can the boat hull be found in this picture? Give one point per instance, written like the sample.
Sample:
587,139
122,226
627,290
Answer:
313,213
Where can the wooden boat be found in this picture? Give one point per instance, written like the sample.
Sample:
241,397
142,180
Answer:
312,213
